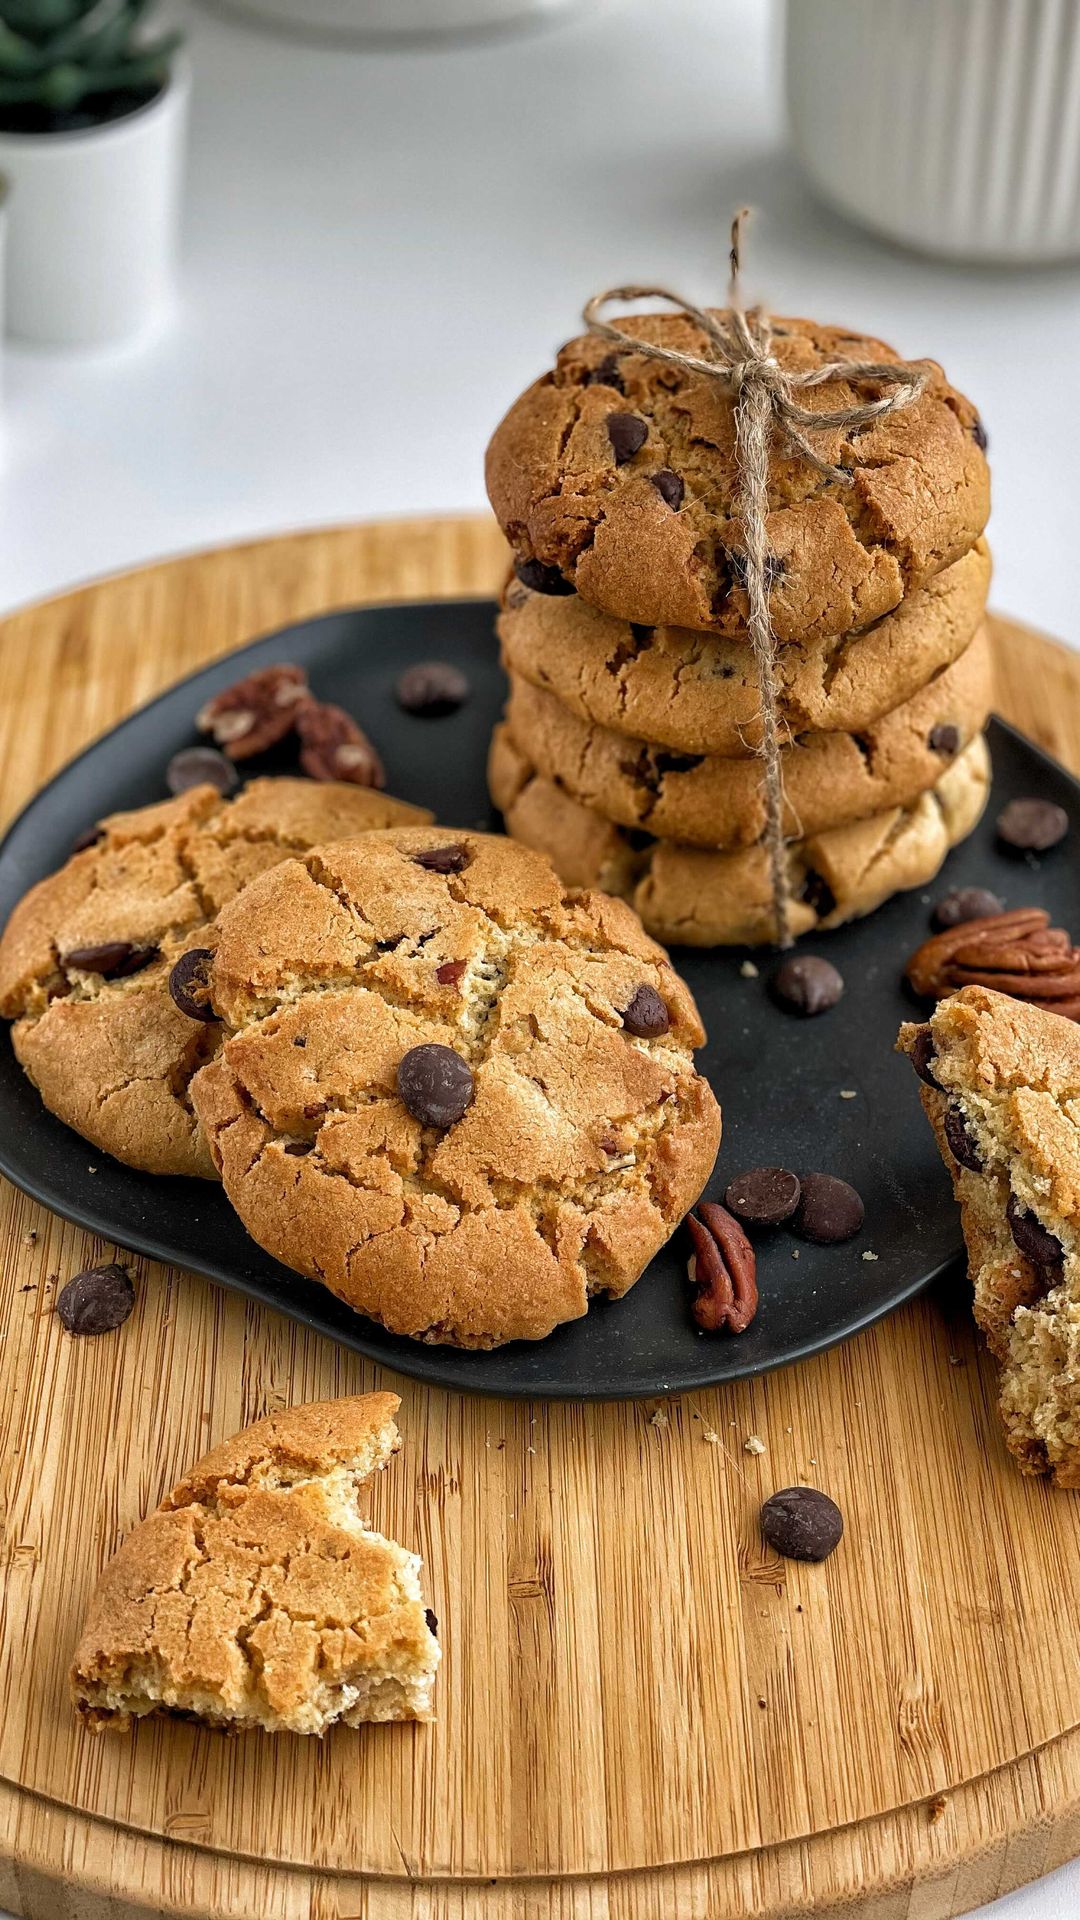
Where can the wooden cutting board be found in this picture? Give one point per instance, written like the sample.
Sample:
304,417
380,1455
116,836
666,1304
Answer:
641,1713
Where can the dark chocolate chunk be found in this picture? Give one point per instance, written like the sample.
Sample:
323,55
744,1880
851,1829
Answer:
88,839
818,894
198,767
448,859
670,486
801,1523
922,1056
964,903
431,689
435,1084
96,1300
807,985
979,434
646,1016
189,983
829,1210
113,959
961,1145
542,579
1041,1247
763,1197
432,1622
944,740
1031,825
605,374
628,434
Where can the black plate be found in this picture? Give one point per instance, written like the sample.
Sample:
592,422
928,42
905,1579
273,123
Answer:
779,1080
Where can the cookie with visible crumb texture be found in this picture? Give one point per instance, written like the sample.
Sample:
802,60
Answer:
642,521
113,1057
1007,1094
580,1150
690,896
256,1596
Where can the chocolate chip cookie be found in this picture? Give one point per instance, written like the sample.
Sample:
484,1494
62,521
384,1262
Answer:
86,957
256,1596
692,897
698,692
999,1081
616,473
708,801
459,1095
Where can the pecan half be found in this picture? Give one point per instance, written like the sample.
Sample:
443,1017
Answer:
723,1269
1016,953
332,746
256,712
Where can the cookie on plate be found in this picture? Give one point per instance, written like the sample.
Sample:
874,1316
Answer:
698,692
457,1094
708,801
86,955
1001,1088
691,896
256,1596
616,474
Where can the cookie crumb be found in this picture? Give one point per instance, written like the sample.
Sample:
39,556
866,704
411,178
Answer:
795,1253
31,1238
955,1360
867,1255
749,971
849,1093
710,1434
754,1444
658,1418
935,1808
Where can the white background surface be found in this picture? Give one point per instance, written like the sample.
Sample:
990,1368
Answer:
382,248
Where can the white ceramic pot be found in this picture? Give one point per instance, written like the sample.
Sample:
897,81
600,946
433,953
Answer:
93,220
395,19
949,125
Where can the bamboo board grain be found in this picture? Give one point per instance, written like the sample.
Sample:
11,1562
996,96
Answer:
640,1712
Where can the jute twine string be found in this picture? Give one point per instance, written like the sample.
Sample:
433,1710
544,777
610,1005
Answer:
766,405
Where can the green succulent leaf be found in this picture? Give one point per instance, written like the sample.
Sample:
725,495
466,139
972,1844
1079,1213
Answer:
60,53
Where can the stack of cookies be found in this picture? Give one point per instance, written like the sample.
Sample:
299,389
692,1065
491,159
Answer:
630,747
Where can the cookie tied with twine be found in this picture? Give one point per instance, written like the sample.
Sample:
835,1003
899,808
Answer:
767,410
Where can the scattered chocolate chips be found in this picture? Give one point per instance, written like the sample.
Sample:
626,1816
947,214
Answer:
198,767
432,689
962,904
542,579
670,486
88,839
189,983
961,1145
1041,1247
96,1300
256,712
605,374
923,1054
1031,825
432,1622
763,1197
450,859
647,1016
829,1210
807,985
944,740
435,1084
113,959
801,1523
723,1271
333,747
628,434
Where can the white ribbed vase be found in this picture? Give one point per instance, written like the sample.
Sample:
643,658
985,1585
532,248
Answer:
949,125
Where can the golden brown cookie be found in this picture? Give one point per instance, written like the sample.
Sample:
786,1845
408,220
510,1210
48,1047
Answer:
651,534
103,1041
460,1096
1005,1107
698,692
692,896
257,1596
708,801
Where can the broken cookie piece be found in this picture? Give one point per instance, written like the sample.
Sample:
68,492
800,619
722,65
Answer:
1001,1087
257,1596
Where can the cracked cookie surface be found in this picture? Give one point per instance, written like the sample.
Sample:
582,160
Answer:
709,801
581,1149
256,1595
1010,1073
113,1057
669,550
692,896
698,692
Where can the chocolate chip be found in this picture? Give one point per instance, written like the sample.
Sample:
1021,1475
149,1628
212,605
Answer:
923,1053
96,1300
296,1148
88,839
763,1197
198,767
1031,825
944,740
451,973
606,374
961,1145
829,1210
628,434
818,894
979,434
807,985
431,689
435,1084
670,486
541,579
432,1622
801,1523
646,1016
450,859
189,983
964,903
1041,1247
113,959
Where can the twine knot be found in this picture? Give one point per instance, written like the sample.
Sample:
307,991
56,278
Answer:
765,393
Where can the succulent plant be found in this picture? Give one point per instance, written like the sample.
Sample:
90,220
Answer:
62,55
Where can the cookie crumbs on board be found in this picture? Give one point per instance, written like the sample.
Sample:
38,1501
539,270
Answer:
749,971
754,1444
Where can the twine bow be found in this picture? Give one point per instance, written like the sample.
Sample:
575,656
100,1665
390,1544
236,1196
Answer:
766,406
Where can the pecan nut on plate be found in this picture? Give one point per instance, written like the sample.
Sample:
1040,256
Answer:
1017,953
255,713
723,1271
